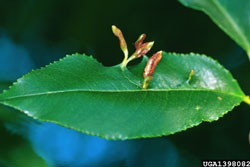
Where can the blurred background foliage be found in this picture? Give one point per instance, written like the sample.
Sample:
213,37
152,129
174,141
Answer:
36,33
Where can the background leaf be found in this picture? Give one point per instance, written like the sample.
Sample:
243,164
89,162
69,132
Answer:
79,93
231,16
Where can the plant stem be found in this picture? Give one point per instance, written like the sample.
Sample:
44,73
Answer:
126,61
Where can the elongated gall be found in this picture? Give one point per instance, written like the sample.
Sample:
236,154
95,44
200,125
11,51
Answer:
152,62
140,40
190,75
143,49
118,33
149,69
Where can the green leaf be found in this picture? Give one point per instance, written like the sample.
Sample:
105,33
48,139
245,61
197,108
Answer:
232,16
79,93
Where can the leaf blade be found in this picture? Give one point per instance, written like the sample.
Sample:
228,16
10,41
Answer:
106,102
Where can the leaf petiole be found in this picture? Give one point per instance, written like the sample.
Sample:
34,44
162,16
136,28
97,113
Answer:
247,100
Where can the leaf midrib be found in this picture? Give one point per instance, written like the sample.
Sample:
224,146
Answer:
119,91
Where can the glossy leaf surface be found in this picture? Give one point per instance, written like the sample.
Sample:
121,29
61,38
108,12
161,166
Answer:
79,93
